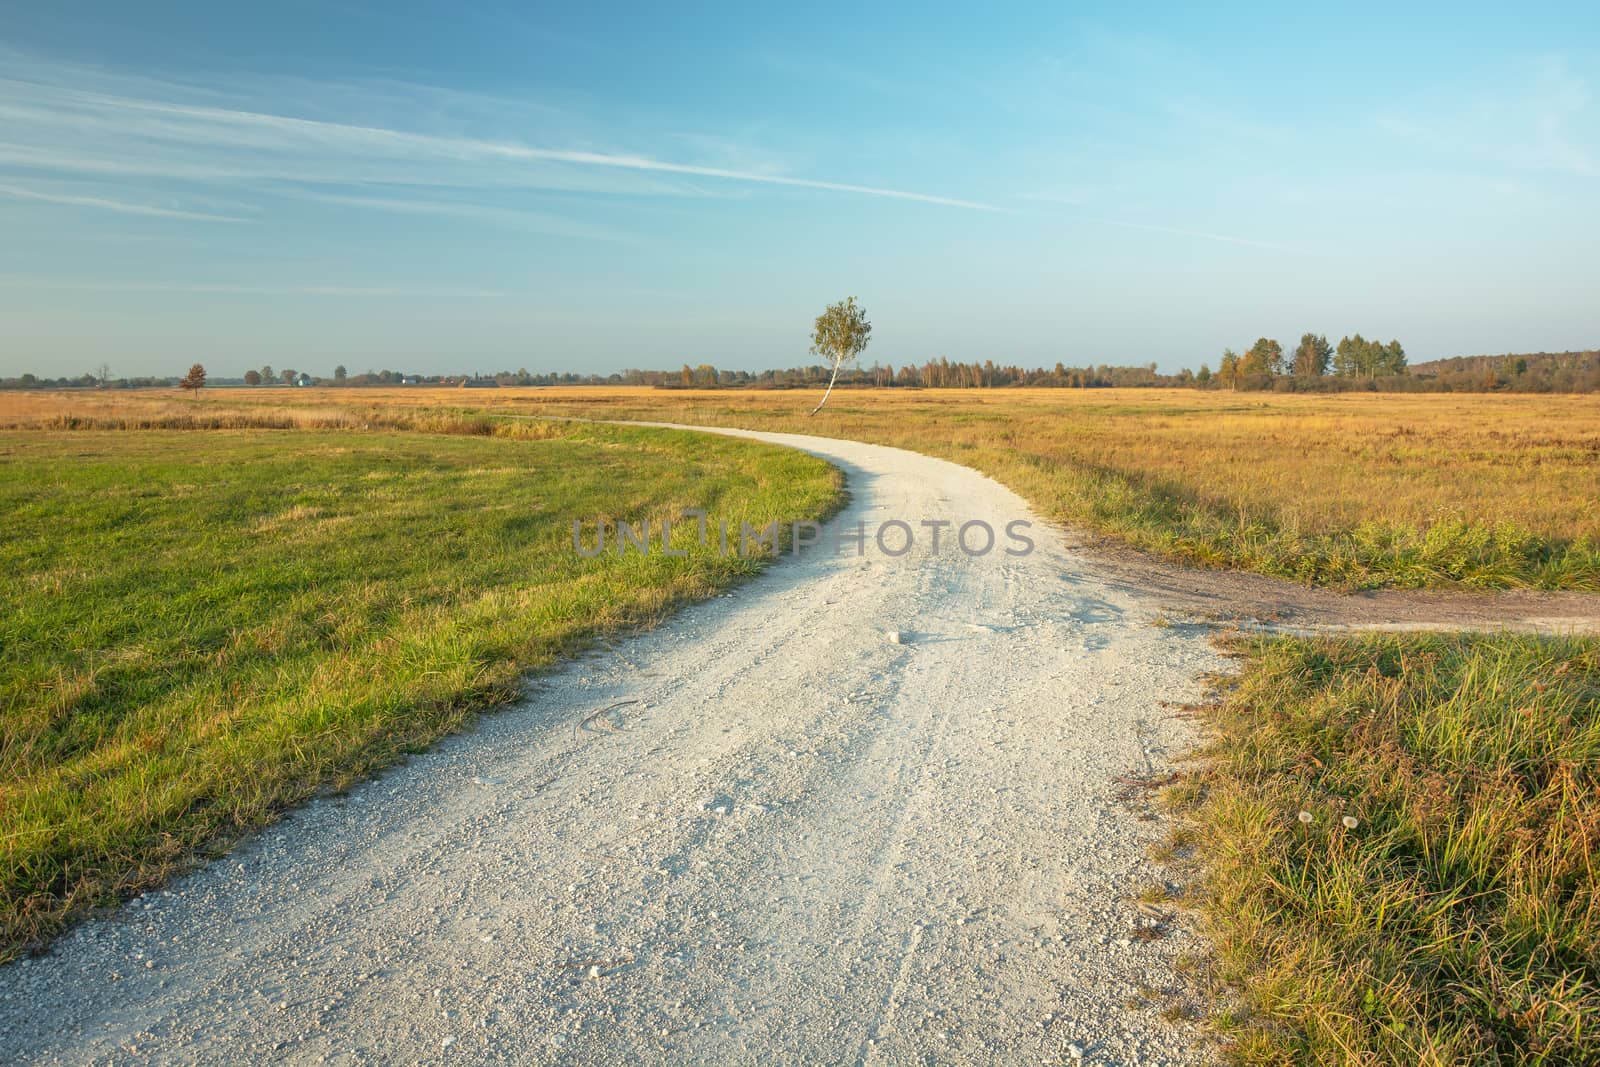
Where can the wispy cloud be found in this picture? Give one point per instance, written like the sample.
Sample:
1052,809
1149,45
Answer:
65,129
535,221
18,192
642,163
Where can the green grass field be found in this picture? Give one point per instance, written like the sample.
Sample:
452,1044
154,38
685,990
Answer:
199,628
1458,920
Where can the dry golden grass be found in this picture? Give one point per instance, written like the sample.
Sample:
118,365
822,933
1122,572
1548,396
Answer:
1355,490
145,408
1318,462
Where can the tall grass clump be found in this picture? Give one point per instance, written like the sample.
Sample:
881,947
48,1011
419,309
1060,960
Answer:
1397,836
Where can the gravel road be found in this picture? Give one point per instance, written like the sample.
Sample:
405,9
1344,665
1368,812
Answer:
803,843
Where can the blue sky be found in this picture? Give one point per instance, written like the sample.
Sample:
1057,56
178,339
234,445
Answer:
415,186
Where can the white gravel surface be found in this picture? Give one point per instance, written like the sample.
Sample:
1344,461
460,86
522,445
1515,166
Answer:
806,843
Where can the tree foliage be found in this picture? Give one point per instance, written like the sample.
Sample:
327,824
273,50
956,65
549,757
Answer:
1263,365
195,379
1527,372
840,336
1228,369
1264,357
252,377
1357,357
1313,356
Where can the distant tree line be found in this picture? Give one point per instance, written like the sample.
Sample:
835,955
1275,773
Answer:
86,381
1530,372
1313,365
933,374
1354,364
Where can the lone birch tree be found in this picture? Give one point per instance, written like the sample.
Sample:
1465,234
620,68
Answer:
841,335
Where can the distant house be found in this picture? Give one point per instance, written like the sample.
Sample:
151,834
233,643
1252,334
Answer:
410,379
303,380
480,383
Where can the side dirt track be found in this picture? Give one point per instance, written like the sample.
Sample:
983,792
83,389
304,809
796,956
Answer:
764,832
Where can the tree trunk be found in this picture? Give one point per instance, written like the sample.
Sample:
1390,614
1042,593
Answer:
831,379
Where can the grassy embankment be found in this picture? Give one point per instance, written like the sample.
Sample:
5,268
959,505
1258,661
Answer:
1458,920
199,628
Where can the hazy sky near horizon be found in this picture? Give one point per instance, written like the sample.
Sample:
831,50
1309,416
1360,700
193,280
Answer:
438,187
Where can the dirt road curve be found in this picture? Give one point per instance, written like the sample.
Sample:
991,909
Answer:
804,843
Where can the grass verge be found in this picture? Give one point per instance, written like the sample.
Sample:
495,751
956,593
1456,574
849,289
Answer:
200,628
1458,919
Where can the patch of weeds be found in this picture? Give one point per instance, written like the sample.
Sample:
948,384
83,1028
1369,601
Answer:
1396,851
